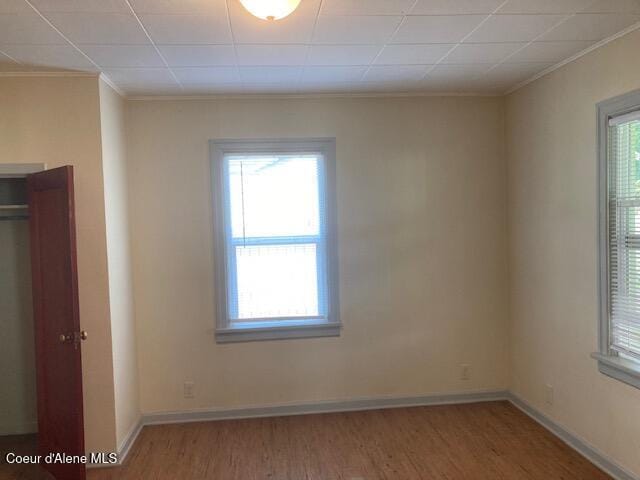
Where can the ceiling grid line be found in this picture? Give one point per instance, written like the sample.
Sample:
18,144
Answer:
234,45
504,60
46,20
309,45
486,19
335,46
11,58
153,44
389,40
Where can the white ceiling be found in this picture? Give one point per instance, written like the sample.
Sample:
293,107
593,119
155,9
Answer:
194,47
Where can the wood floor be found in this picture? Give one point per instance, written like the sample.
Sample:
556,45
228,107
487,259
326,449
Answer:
490,441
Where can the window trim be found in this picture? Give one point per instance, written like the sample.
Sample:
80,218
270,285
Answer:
610,362
276,330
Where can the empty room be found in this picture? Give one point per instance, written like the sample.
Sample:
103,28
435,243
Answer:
320,239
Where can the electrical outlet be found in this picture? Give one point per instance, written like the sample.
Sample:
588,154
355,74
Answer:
465,371
548,394
189,390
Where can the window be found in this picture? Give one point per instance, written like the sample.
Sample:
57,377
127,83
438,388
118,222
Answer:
619,152
275,239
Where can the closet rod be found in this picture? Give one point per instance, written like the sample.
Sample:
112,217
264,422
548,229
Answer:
14,207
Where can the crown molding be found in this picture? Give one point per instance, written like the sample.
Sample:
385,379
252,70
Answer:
573,58
280,96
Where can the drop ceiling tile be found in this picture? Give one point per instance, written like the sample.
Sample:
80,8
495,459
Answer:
152,76
590,26
100,28
444,84
287,75
366,7
143,89
458,72
355,29
271,54
27,28
482,52
123,55
187,29
219,89
330,75
380,73
413,54
513,28
81,6
8,65
296,28
613,6
549,51
15,6
455,7
510,74
51,56
342,54
206,75
436,28
326,87
175,7
544,6
387,86
268,88
198,55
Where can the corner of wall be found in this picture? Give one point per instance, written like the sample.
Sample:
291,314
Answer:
121,299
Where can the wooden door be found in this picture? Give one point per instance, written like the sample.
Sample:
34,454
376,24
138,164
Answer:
56,319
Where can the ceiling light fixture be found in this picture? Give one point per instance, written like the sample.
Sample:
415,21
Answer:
270,9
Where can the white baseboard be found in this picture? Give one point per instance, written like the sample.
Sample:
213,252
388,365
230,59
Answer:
124,448
574,441
129,440
375,403
328,406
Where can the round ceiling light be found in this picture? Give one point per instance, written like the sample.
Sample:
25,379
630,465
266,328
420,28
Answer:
270,9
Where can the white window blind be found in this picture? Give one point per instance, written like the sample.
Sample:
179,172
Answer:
275,240
624,233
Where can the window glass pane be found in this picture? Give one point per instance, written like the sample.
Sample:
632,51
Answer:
274,196
276,281
624,237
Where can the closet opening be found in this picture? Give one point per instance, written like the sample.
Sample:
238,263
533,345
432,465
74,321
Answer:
41,404
18,399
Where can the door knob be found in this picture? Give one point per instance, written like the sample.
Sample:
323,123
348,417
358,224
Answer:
74,337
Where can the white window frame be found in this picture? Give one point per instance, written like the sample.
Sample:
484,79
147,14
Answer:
610,362
226,330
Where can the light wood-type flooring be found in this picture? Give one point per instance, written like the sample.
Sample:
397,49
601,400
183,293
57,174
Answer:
491,441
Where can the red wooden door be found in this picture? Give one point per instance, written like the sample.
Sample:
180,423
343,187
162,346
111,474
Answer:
56,319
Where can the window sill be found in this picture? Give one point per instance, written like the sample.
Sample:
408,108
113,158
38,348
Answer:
627,371
252,333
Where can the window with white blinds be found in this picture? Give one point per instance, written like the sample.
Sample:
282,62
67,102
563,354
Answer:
276,239
623,157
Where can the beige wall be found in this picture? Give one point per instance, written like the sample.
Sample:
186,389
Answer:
551,145
123,335
57,121
422,235
18,412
